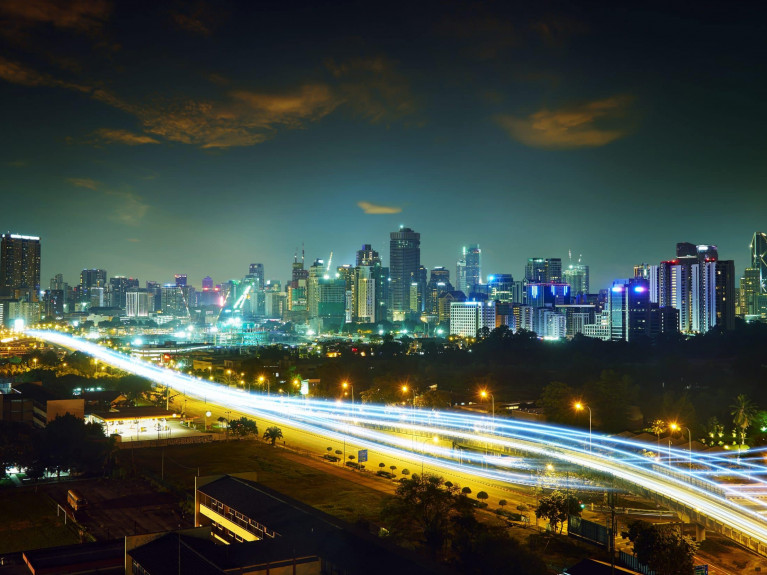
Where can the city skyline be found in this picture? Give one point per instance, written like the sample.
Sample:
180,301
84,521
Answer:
531,131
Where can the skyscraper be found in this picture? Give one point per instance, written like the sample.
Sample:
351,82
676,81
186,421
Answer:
473,257
20,266
543,270
92,280
577,275
404,264
759,259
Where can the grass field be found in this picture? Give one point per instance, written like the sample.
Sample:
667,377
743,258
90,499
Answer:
28,521
334,495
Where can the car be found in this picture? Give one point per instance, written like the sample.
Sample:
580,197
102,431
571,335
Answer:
386,474
332,458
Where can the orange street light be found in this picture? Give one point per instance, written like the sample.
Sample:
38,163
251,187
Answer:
580,407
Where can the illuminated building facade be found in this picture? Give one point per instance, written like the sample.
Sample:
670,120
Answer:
469,317
20,267
404,265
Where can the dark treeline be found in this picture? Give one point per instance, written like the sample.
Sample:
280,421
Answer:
674,377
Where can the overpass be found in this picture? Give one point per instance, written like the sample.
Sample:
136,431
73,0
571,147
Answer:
716,491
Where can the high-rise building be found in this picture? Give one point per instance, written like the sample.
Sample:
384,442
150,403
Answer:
180,280
404,265
543,270
207,283
750,292
439,283
472,255
460,276
370,287
469,317
92,283
138,303
20,267
367,256
759,259
118,287
501,288
629,309
725,294
689,285
577,275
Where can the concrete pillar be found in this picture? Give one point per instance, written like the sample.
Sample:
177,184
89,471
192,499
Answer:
700,533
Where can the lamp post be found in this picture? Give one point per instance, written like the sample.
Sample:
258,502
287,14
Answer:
261,380
675,427
207,415
580,407
484,394
347,385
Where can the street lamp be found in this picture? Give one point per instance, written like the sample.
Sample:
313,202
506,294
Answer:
484,394
261,380
580,407
207,415
347,385
675,427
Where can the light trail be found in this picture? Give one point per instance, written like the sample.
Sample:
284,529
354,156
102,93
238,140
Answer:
677,474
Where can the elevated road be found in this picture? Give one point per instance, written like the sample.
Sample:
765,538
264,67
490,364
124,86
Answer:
715,491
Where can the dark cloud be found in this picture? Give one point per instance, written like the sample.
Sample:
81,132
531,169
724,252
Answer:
77,15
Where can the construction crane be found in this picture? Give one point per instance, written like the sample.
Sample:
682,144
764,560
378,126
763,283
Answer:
330,261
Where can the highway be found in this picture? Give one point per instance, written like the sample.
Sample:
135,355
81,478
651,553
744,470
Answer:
716,490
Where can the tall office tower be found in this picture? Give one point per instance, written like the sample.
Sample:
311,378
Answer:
20,267
535,270
367,256
473,258
553,270
118,287
155,289
404,263
57,282
207,283
460,276
439,283
759,259
689,285
725,294
543,270
650,273
180,280
316,272
364,295
468,318
255,279
501,287
370,287
346,273
138,302
91,280
629,309
577,275
331,300
749,289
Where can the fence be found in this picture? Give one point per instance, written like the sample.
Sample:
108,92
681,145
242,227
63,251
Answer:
189,440
633,563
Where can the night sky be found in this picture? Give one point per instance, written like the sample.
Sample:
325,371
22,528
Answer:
198,137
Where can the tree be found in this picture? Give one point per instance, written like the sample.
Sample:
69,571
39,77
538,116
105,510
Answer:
381,465
743,414
466,490
658,426
422,511
556,508
557,402
273,434
405,472
243,427
662,548
393,468
482,495
503,503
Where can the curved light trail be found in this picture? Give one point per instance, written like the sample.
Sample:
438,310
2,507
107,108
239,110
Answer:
730,493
